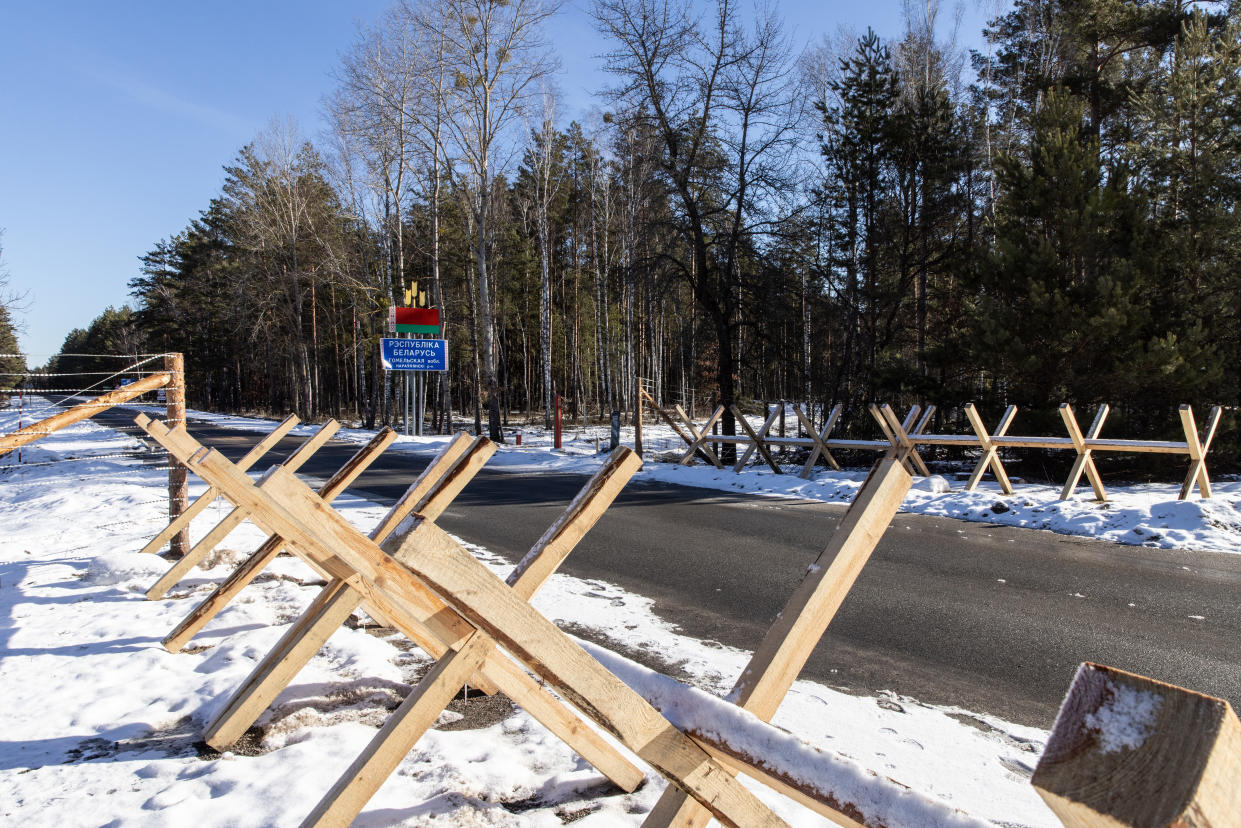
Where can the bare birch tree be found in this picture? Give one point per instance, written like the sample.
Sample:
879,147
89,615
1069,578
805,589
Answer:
496,54
547,175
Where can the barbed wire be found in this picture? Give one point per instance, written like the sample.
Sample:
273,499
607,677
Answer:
6,474
36,391
77,373
145,357
88,457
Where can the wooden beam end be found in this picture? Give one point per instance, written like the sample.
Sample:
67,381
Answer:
1127,750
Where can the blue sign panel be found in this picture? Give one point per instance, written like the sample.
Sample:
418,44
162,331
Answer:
414,354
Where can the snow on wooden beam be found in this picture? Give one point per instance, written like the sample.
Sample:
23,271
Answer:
832,785
1127,750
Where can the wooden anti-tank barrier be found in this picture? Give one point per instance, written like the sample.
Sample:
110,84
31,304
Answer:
901,440
414,577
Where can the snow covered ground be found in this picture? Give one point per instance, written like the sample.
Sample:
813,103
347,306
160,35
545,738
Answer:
102,725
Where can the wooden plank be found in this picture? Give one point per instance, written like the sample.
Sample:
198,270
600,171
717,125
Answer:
800,625
421,708
340,481
758,438
238,579
81,411
818,439
182,521
959,440
757,442
1058,443
1138,446
1197,452
1084,461
700,442
1128,750
411,607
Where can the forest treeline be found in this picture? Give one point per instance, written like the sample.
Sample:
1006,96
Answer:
1052,218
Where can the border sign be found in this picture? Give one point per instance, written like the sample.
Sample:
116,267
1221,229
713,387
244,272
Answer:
414,354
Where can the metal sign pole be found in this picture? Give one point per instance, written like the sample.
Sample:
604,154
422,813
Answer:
418,386
407,392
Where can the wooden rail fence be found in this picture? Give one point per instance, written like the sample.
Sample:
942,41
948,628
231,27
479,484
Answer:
902,438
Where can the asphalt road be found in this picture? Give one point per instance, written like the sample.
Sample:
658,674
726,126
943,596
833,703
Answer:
991,619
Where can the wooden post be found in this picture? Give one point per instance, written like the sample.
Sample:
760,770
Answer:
556,426
637,416
1131,751
178,481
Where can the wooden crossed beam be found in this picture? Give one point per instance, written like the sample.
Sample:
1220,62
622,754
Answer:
1198,449
429,495
990,448
1084,461
430,584
425,703
182,521
237,516
646,398
899,433
699,443
758,439
819,438
426,622
798,627
258,560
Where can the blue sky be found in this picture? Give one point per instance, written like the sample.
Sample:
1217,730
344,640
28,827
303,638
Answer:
117,118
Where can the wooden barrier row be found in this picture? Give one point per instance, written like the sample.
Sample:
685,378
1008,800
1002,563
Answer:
483,632
901,440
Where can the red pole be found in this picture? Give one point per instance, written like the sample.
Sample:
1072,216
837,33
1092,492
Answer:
556,442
